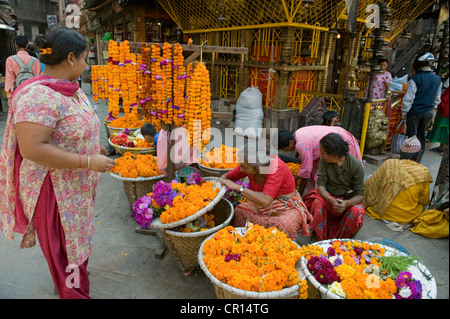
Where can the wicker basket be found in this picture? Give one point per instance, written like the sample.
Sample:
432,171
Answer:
184,247
106,123
224,291
122,149
112,130
135,188
213,172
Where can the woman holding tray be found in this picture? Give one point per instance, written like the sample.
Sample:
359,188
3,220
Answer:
273,200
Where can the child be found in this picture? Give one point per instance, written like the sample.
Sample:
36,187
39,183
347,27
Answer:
148,133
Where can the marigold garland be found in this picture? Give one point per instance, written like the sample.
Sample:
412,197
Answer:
113,78
199,110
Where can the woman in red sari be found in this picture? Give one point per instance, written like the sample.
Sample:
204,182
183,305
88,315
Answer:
273,200
336,203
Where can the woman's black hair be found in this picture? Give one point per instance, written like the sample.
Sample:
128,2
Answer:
327,116
148,129
61,41
382,59
284,137
334,144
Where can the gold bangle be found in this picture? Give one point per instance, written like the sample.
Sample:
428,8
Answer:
89,162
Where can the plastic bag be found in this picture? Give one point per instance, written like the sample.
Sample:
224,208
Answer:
398,139
249,113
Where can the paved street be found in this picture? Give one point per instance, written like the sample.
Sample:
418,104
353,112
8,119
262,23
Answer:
123,264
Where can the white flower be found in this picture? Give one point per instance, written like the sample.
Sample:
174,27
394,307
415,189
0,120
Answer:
336,288
405,292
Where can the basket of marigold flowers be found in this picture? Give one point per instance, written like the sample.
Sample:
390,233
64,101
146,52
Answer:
138,173
218,161
253,262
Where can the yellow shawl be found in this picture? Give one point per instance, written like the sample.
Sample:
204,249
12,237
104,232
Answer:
393,176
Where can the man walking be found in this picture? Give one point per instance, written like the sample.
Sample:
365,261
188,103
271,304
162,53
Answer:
18,66
422,97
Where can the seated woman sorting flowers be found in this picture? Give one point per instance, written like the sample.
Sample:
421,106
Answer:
273,200
336,203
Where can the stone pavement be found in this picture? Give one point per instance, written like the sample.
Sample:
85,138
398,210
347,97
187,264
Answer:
123,264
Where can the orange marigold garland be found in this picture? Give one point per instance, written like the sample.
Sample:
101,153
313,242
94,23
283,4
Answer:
166,65
124,80
95,77
199,110
113,79
179,80
157,89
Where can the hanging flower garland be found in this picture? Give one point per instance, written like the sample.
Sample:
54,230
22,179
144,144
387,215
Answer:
179,80
144,67
199,111
166,66
113,79
157,88
95,79
124,88
132,81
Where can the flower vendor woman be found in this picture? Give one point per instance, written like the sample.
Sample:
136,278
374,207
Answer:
336,202
50,163
306,142
273,200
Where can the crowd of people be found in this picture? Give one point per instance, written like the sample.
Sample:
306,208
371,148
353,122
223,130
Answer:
51,158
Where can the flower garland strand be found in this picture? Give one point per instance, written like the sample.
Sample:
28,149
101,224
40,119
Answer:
179,79
157,88
113,79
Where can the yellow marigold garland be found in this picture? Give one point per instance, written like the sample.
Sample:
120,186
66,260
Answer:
113,78
179,80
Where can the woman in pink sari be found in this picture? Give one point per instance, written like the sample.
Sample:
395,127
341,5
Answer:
273,200
50,163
